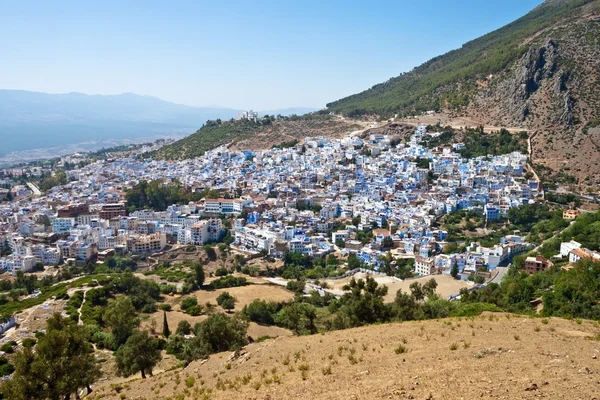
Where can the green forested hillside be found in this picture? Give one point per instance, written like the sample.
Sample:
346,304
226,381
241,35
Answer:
248,134
449,80
211,135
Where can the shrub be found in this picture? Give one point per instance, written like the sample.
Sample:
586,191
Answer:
29,342
260,311
400,349
183,328
6,368
228,282
222,333
296,286
188,302
165,307
7,348
189,382
303,367
454,346
194,311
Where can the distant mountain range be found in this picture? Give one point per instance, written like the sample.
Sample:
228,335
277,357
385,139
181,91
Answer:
33,120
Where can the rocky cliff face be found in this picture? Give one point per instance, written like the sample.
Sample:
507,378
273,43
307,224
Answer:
552,90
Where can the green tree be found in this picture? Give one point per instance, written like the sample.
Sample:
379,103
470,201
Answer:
199,274
450,248
139,354
387,243
353,261
210,252
228,304
226,301
363,303
222,333
62,363
406,307
183,328
166,331
454,271
121,318
296,286
417,291
260,312
188,302
299,317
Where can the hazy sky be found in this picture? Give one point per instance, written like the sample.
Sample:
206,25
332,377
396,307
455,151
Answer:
252,54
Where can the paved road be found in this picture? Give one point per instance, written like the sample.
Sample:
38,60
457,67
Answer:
34,189
498,277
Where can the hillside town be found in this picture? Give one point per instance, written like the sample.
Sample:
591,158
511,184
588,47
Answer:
297,199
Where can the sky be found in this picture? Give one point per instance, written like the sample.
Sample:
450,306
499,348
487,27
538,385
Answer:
245,55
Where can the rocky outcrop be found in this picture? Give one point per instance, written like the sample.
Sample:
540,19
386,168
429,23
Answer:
536,65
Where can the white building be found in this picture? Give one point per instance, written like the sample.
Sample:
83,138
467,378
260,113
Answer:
143,244
255,238
424,266
62,225
14,263
567,247
223,206
203,232
339,235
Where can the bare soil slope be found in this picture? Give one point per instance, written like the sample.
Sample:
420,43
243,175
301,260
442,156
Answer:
490,356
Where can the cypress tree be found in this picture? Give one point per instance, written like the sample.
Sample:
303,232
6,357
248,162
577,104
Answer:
166,331
454,271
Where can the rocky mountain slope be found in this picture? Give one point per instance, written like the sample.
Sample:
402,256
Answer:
541,73
490,356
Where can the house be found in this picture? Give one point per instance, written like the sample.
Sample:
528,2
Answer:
112,210
536,264
62,225
339,235
567,247
143,244
570,215
14,263
586,254
424,266
381,234
492,213
202,232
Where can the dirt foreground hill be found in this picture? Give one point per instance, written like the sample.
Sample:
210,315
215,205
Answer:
497,356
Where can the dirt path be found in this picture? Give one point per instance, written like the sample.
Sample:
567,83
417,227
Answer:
456,123
79,321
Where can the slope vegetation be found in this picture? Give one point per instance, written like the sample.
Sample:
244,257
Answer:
540,73
490,356
450,78
250,135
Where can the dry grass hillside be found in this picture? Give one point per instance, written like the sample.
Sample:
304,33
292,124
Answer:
499,356
256,135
